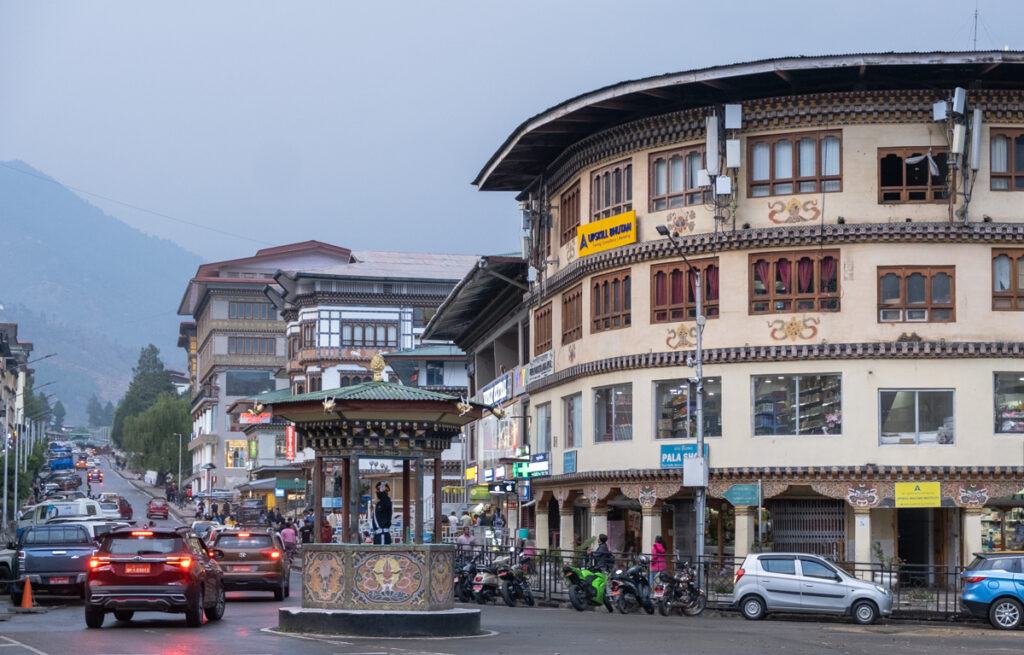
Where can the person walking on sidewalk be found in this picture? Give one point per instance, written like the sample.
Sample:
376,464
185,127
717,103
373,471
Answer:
657,559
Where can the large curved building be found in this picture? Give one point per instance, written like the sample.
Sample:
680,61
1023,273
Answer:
860,226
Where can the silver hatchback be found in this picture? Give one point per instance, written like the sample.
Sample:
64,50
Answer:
794,582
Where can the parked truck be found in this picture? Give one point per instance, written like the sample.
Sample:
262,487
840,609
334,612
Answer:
55,558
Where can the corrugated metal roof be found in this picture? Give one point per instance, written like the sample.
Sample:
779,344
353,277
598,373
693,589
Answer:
463,309
538,141
399,265
428,350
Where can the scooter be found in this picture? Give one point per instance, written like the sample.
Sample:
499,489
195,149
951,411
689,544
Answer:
586,587
464,577
486,586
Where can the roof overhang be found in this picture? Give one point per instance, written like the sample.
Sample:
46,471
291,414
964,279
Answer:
539,141
489,282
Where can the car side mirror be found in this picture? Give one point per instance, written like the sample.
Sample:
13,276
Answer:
11,545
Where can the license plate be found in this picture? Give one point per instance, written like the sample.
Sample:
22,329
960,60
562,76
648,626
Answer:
477,587
658,593
136,569
615,592
243,568
60,580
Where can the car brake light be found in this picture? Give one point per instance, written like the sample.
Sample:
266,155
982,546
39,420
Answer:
974,578
142,533
739,574
211,554
97,562
243,535
275,554
185,563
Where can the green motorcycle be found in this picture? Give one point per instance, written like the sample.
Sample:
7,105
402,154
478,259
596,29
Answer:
586,587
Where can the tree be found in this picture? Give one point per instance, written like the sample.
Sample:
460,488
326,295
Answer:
58,415
149,380
95,411
151,438
108,413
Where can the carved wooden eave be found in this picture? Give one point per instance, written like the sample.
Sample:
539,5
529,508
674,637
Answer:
787,353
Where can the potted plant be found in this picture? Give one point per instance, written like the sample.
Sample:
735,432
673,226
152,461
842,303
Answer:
889,575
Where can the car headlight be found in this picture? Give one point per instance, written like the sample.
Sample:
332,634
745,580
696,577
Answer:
881,589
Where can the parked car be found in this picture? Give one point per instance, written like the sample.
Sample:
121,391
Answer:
252,561
53,558
51,509
203,529
153,570
994,589
795,582
157,508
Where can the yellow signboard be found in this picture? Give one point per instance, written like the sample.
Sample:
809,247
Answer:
607,233
918,494
471,473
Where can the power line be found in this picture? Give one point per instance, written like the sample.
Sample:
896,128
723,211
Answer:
135,207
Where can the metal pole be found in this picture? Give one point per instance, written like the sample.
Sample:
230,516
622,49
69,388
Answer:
17,449
701,494
180,490
6,450
760,523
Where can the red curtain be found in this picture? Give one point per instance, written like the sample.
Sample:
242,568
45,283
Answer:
761,273
712,275
693,285
677,287
828,274
805,275
782,269
660,289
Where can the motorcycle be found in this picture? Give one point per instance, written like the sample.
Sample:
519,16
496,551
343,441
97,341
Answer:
587,587
485,583
514,584
630,589
680,592
464,577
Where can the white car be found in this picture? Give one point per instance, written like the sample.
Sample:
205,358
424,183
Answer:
110,510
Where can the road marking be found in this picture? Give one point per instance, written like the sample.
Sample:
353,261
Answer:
14,642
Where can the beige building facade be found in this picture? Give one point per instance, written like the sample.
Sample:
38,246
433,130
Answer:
863,279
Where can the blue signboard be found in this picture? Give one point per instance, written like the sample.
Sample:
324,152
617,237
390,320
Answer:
672,455
569,461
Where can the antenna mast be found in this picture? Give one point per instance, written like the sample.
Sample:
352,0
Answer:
974,32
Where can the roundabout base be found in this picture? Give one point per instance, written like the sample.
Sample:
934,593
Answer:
457,622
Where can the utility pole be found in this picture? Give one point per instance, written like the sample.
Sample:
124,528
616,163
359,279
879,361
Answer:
7,449
178,481
700,494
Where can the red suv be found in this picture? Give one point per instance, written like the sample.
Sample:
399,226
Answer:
124,507
156,508
153,571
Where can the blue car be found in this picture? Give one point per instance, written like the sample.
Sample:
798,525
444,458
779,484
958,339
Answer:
994,589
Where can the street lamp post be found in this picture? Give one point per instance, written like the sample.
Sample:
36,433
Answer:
700,499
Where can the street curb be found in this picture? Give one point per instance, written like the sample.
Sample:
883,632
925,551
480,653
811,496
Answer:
170,506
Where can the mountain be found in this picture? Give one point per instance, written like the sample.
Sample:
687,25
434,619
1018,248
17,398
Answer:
85,285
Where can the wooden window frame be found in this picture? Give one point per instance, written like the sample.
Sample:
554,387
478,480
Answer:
600,209
542,339
245,345
821,300
1011,175
1016,292
795,180
247,311
309,334
903,306
689,196
603,319
669,312
572,315
568,215
905,190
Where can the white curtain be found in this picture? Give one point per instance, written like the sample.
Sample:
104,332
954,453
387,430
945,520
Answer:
830,156
659,177
808,153
1001,273
675,175
761,161
692,168
1000,154
783,160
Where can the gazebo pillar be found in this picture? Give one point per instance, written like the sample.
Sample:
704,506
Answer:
438,516
346,493
406,502
318,495
419,500
352,506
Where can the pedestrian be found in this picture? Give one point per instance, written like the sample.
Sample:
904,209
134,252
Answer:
214,508
381,517
326,533
367,537
289,539
603,557
466,519
466,539
657,559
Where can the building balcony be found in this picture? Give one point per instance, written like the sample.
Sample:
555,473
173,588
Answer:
209,439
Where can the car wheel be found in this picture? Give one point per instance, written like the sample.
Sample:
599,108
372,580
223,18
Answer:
123,615
752,607
864,612
216,612
1005,614
94,617
194,611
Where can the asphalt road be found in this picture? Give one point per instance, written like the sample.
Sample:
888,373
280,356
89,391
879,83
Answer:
246,629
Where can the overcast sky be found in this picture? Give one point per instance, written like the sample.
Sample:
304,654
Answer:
362,124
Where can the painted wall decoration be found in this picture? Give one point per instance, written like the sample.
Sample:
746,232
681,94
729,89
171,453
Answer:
862,495
388,578
324,581
793,211
973,496
681,336
681,222
441,569
572,353
794,328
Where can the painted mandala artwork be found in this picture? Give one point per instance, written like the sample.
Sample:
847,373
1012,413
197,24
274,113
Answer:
325,578
388,577
441,591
